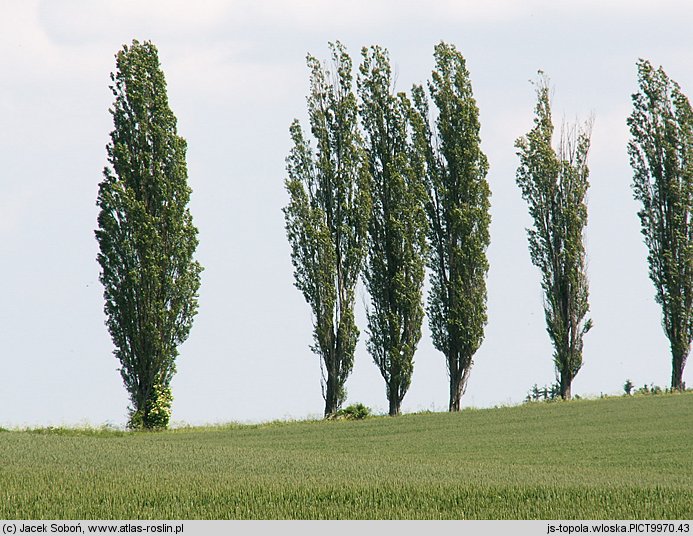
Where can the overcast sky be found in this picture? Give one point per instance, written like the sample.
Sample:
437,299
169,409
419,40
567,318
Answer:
236,78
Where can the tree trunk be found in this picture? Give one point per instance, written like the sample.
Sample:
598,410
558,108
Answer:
455,395
330,407
394,401
566,382
677,363
331,401
458,385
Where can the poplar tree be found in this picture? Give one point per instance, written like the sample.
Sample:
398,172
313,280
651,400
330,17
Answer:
394,271
661,155
554,184
146,236
457,206
327,216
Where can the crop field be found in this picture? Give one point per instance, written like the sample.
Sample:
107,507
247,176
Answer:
617,458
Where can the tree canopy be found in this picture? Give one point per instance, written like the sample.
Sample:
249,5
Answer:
146,236
394,271
327,217
554,184
457,206
661,155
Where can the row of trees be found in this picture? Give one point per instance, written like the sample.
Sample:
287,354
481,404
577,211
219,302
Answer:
373,189
388,190
381,180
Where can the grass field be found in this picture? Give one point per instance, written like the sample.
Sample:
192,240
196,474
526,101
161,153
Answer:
618,458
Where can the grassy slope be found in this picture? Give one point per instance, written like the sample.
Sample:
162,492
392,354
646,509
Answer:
618,458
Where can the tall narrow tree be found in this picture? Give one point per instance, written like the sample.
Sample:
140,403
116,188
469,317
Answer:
661,154
394,271
458,214
146,235
554,184
327,215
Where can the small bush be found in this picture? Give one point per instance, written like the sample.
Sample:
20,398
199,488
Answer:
651,390
159,411
354,412
537,393
628,387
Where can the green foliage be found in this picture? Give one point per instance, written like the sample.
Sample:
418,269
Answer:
545,393
628,387
554,184
156,414
145,233
354,412
327,216
395,265
651,390
600,459
457,206
661,155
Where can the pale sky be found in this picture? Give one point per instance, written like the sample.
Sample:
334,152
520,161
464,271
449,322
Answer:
236,78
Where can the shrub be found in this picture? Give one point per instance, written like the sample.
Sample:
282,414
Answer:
354,412
537,393
651,390
158,411
628,387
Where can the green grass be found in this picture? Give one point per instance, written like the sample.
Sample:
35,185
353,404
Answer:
619,458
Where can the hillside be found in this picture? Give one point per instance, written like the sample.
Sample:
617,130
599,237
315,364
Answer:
618,458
